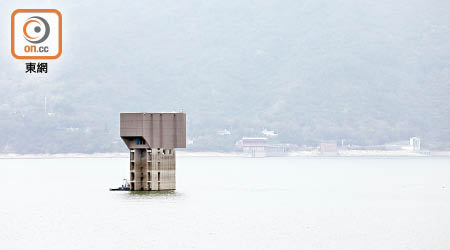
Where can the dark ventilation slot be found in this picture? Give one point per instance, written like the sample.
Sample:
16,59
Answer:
140,141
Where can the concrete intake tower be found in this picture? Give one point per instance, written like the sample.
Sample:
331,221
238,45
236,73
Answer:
152,139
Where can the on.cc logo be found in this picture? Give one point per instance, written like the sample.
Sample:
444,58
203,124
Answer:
36,34
37,24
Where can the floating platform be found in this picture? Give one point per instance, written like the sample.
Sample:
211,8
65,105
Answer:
120,189
125,186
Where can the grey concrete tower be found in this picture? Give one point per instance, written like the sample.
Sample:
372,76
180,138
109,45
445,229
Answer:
152,139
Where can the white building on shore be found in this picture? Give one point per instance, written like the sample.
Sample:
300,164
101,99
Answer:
414,142
254,146
259,147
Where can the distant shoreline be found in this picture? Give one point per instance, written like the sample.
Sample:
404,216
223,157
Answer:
315,153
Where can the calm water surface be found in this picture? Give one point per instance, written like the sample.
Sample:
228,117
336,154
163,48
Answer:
229,203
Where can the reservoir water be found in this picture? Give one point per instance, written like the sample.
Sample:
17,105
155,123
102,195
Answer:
229,203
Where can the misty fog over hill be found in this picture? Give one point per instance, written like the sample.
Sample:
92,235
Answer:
367,72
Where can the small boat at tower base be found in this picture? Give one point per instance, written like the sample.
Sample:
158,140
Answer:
125,186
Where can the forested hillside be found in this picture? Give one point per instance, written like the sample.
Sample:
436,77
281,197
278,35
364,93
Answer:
368,72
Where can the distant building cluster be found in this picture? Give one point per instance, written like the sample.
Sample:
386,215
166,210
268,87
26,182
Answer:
260,147
264,146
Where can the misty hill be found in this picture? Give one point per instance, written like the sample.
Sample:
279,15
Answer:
368,72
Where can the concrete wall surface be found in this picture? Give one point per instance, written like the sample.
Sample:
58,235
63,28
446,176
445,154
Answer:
159,130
